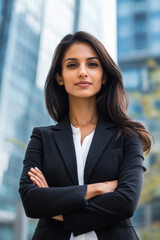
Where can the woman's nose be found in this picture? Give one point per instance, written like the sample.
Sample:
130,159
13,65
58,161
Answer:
82,72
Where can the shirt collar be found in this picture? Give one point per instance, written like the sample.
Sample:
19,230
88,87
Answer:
75,130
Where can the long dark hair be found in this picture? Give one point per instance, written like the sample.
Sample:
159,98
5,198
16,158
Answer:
112,100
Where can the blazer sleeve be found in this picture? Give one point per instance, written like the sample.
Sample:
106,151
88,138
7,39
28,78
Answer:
109,208
46,202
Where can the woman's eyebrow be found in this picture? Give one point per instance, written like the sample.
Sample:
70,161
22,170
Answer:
75,59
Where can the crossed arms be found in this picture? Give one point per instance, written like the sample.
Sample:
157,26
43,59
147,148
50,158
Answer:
87,207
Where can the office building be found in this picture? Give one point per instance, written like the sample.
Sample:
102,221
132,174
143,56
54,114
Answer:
21,102
29,33
138,29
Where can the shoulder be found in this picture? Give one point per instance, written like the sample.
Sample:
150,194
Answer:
43,128
38,131
133,143
133,137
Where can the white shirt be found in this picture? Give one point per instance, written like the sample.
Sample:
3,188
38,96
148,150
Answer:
81,155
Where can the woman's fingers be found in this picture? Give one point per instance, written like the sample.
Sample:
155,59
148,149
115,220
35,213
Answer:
42,176
109,186
37,177
39,174
35,181
112,185
59,218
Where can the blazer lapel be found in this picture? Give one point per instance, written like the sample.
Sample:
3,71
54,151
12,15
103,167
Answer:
63,136
101,138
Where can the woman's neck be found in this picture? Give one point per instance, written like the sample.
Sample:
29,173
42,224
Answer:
83,111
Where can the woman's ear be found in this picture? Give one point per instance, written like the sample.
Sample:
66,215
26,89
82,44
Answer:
59,79
104,79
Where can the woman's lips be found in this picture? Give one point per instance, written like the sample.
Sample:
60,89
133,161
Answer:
83,84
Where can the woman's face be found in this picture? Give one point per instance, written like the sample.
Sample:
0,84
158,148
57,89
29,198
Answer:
82,72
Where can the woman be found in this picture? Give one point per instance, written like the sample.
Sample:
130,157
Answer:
83,176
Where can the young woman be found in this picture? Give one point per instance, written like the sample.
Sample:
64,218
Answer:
83,176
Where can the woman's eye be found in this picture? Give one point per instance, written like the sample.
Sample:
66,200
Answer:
71,65
93,64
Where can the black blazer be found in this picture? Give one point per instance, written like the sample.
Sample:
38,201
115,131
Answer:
51,149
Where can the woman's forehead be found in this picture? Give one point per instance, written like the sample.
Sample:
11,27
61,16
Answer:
80,50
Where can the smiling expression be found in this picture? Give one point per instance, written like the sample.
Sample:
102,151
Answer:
82,72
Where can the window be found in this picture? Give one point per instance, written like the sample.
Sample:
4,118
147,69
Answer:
124,9
124,30
155,212
155,25
140,41
140,6
131,79
140,21
154,5
155,45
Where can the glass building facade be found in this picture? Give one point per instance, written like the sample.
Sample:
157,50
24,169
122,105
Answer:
138,30
29,32
91,17
21,101
58,20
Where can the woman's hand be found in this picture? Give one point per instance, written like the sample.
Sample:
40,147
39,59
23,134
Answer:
93,190
106,187
96,189
59,218
39,180
37,177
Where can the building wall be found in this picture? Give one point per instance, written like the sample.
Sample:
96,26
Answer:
138,28
58,20
138,24
5,21
30,32
21,102
91,18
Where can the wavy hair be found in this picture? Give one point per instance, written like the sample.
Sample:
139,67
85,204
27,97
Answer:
112,100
